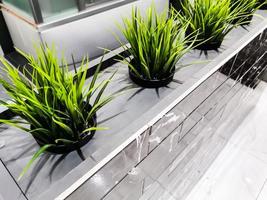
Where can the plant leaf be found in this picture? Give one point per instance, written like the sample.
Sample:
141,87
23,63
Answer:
35,156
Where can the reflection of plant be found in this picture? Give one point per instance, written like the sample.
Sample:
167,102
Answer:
245,10
57,104
157,43
211,18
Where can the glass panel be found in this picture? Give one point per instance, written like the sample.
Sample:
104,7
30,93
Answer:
56,9
22,5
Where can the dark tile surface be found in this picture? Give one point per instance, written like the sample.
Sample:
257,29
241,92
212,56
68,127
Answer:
180,156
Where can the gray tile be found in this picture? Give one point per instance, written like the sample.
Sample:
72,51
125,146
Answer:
8,188
238,173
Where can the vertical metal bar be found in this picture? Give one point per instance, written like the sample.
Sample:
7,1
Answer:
81,5
36,11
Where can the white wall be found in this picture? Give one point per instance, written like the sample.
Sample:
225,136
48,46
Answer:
24,35
82,37
85,36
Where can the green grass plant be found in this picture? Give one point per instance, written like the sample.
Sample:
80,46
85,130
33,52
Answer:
56,106
245,10
212,19
157,42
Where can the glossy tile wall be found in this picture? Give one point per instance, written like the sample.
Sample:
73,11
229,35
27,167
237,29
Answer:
240,171
172,155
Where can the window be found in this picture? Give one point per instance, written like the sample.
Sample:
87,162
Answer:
56,9
22,5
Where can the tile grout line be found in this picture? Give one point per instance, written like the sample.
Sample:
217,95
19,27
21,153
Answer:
261,189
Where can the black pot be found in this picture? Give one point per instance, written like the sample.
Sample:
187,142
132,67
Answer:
209,46
150,83
63,148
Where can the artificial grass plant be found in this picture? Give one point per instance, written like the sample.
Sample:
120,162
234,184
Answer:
245,10
56,107
157,42
212,19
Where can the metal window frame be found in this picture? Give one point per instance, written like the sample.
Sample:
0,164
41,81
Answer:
81,5
95,2
36,11
38,14
83,11
89,11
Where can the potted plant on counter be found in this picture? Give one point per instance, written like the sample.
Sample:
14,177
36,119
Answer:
56,107
211,18
244,9
157,42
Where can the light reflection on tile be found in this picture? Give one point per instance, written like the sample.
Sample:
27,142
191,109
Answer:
240,172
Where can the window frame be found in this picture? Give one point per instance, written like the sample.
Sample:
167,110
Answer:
81,5
83,12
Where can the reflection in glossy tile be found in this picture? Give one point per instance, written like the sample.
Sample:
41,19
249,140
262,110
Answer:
240,172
